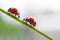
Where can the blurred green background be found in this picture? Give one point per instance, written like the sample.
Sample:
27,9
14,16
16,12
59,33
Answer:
13,30
10,30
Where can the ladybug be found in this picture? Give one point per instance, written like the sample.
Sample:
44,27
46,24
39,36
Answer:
13,11
30,20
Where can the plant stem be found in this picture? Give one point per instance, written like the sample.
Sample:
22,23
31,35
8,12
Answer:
21,21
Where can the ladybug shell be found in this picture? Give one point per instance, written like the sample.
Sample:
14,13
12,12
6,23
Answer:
13,10
31,21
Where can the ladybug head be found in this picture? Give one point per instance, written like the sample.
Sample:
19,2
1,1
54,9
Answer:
9,9
26,19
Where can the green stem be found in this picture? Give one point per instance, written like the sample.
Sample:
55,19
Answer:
21,21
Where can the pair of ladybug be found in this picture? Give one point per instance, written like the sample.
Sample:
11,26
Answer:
28,19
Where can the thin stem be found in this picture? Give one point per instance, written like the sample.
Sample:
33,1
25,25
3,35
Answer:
21,21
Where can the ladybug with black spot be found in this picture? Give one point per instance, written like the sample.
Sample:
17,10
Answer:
13,11
30,20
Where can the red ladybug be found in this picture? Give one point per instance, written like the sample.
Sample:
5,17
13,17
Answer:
30,20
14,11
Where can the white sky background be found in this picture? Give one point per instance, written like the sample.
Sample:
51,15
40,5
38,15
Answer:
46,12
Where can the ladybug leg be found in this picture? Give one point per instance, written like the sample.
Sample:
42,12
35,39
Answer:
15,14
30,23
23,19
18,16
